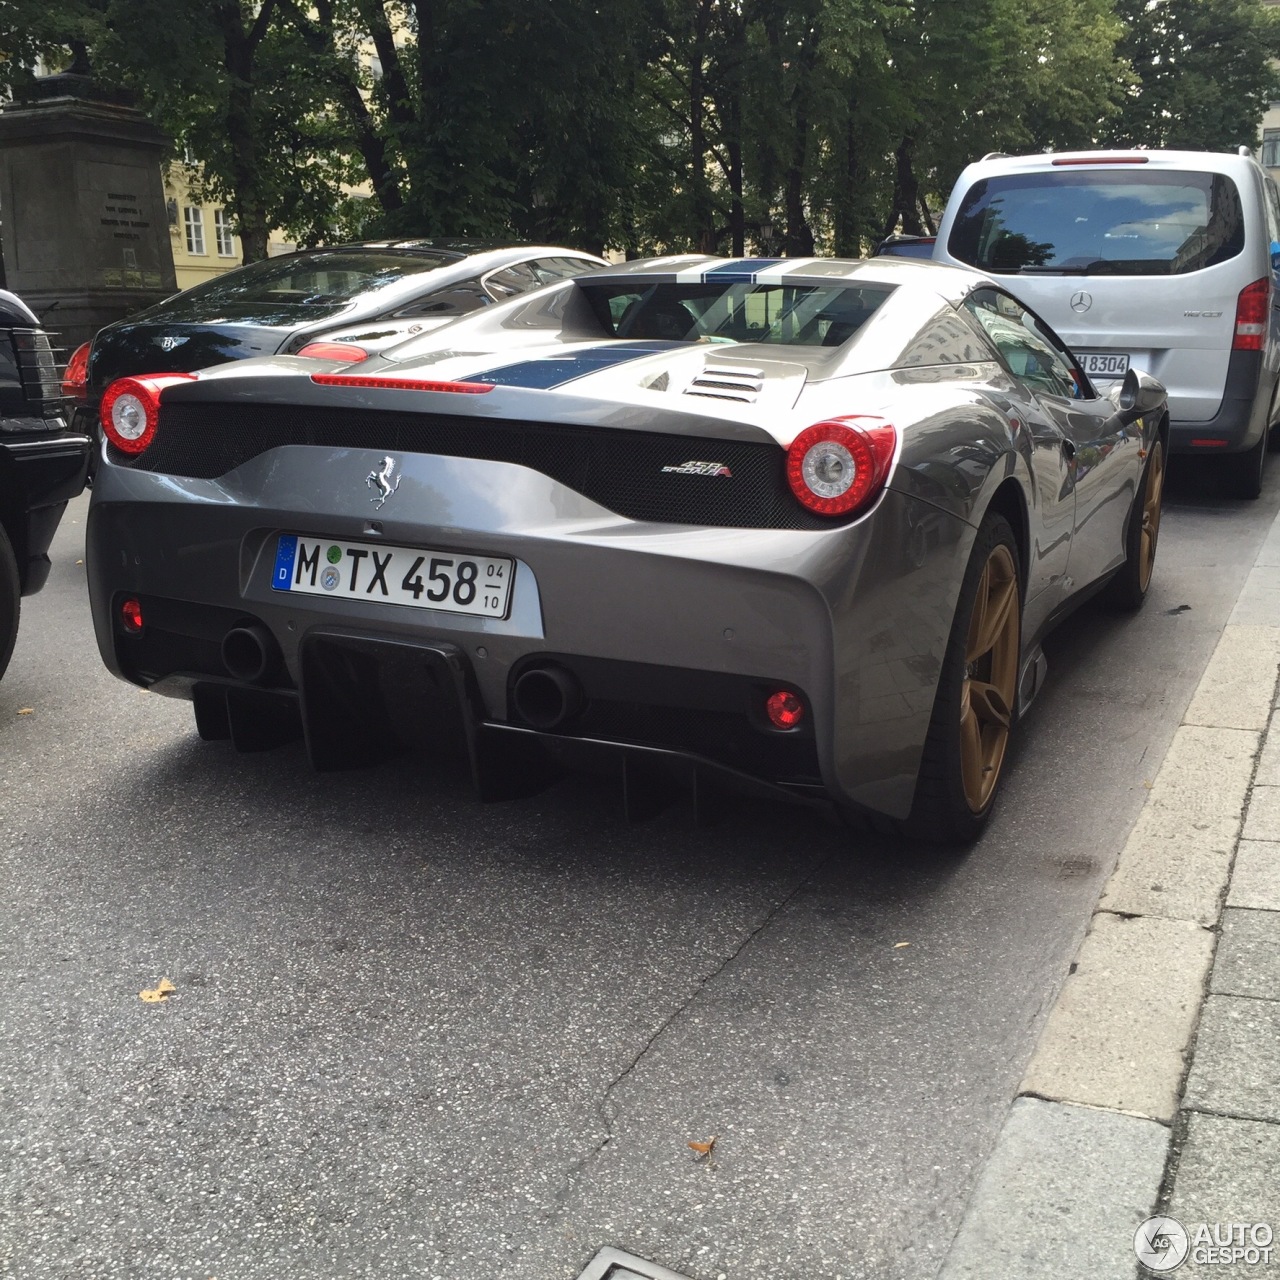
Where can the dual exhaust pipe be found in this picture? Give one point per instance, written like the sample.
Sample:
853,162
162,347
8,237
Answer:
545,698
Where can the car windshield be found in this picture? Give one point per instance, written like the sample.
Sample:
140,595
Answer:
301,286
1099,222
784,314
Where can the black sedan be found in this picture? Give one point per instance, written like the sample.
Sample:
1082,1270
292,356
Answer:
348,301
42,464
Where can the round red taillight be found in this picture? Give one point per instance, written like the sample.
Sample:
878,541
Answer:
784,709
347,352
75,378
838,466
131,615
130,409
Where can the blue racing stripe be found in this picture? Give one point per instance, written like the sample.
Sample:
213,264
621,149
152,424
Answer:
742,271
555,371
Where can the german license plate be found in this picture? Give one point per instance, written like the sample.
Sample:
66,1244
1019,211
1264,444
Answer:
1102,364
420,577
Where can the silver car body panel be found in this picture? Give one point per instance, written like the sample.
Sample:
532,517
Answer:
856,615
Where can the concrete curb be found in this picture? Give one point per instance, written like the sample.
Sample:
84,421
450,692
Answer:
1084,1155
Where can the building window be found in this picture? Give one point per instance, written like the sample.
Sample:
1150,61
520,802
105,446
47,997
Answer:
193,217
1271,148
222,233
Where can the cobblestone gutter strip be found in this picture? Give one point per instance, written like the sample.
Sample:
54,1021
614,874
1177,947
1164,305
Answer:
1085,1155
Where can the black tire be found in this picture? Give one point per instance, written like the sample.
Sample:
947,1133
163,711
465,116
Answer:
1244,470
942,812
1128,589
10,600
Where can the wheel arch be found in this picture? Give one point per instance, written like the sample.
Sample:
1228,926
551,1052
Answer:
1010,502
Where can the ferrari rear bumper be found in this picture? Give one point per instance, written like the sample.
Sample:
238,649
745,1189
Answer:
342,716
665,641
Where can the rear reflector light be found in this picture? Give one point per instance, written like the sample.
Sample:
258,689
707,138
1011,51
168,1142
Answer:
400,384
1251,316
75,379
1101,160
131,615
130,409
1208,444
784,709
837,467
345,351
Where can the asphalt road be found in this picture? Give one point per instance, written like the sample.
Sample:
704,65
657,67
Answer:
415,1037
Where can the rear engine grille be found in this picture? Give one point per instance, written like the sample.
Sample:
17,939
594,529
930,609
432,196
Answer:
727,382
37,364
638,474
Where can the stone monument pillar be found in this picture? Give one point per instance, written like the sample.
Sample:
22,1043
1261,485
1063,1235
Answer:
83,225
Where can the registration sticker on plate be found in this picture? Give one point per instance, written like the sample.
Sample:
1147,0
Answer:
423,578
1103,364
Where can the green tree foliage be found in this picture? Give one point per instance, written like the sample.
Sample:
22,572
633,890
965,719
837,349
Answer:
1204,72
717,125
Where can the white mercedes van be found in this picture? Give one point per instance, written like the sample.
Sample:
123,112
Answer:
1168,261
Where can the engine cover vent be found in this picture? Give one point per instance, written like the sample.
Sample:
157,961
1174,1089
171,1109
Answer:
728,382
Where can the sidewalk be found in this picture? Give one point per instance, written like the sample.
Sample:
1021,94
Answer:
1155,1088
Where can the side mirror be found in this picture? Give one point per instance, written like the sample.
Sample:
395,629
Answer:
1140,394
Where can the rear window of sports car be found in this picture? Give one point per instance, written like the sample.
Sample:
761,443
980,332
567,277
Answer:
1154,222
786,315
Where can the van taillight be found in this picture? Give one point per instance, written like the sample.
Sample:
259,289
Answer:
1251,316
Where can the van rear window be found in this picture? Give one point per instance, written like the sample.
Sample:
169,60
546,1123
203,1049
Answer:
1156,222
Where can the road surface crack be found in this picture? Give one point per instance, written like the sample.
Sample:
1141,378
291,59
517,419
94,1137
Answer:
608,1115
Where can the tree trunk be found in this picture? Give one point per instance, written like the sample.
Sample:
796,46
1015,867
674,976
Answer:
318,36
799,241
239,48
703,213
848,232
906,192
394,88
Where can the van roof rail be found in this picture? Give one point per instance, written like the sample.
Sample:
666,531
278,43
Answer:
996,155
1244,151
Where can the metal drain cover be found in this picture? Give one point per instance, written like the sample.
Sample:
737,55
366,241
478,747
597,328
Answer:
613,1264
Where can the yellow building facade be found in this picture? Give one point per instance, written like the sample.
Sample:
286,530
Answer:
200,233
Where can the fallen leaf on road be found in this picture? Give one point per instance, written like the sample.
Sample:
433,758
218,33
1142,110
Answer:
79,562
896,945
161,991
703,1150
26,711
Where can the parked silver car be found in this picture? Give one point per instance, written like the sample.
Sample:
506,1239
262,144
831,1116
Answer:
795,526
1157,260
348,300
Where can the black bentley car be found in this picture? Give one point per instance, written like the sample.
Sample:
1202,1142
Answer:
42,463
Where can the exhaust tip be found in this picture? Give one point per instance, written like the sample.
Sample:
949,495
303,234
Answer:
248,652
547,697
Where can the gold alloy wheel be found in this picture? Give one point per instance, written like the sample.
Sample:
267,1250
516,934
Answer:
991,677
1151,496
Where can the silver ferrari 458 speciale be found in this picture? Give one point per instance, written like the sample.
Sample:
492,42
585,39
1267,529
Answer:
792,526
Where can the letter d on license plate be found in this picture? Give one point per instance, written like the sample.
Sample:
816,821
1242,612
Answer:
422,578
